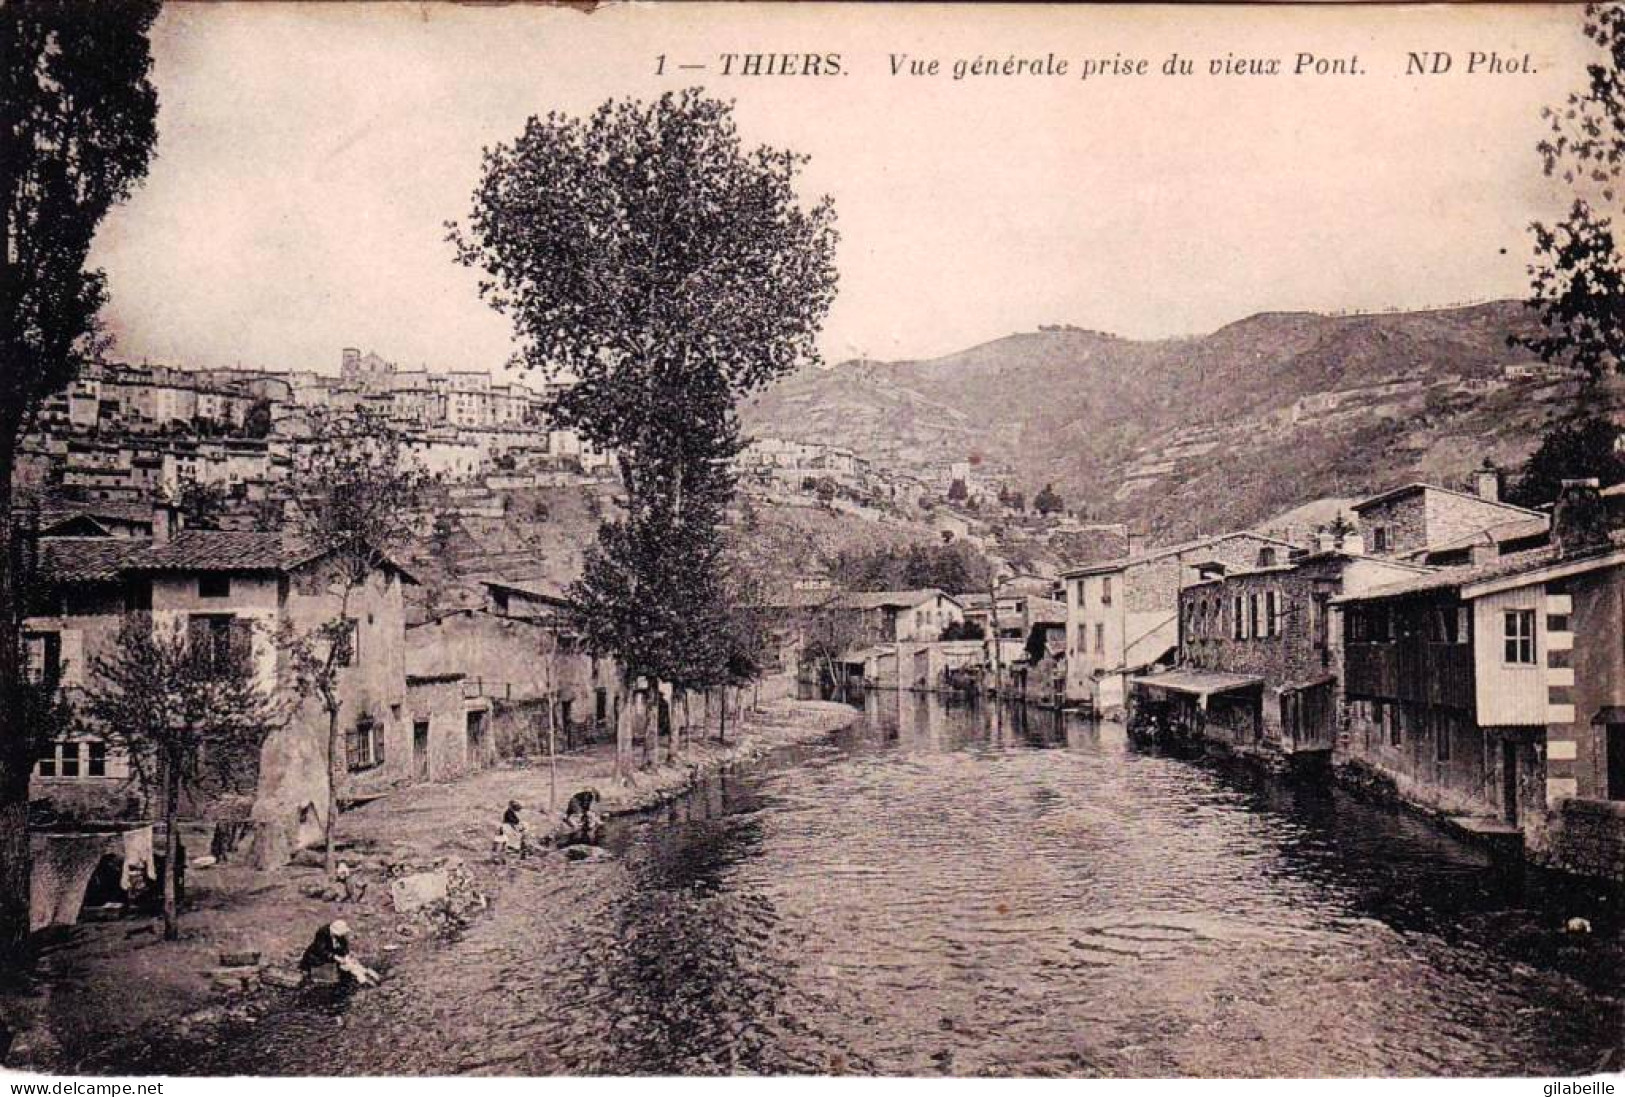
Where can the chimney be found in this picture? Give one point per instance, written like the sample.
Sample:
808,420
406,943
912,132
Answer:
1326,541
1487,483
1579,519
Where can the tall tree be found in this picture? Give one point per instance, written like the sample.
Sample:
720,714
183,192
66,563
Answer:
189,709
664,271
77,128
1578,282
353,502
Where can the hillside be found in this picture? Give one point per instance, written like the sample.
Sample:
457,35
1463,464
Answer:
1183,436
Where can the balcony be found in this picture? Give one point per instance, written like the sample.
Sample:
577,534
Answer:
1411,670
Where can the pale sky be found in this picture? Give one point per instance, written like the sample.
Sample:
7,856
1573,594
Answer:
309,154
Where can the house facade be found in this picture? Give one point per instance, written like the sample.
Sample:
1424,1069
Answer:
1123,615
1273,627
1410,519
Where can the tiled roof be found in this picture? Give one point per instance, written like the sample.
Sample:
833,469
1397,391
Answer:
544,589
87,559
1515,530
224,550
1046,611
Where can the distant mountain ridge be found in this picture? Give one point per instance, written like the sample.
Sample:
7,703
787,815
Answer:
1183,436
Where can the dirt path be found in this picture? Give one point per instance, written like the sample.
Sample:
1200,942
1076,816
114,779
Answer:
102,987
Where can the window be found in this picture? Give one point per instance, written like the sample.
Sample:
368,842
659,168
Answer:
47,760
96,764
214,586
1105,590
1272,614
1266,557
1379,539
365,744
1252,616
1519,637
43,651
1236,629
218,639
1100,637
68,763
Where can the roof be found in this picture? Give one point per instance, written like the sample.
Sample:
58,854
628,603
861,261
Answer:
87,559
1514,530
216,550
1455,578
220,550
542,589
1046,611
890,599
1151,554
1199,683
1416,486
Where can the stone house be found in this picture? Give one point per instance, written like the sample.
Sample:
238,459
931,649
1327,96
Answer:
1266,635
894,616
227,588
1123,614
1410,519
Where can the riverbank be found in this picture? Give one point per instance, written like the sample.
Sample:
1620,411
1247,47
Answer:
102,987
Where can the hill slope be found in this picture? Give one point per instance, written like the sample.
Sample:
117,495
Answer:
1182,436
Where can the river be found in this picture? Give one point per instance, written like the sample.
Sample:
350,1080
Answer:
946,887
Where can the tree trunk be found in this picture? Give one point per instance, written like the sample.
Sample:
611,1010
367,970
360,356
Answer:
172,849
722,723
330,824
552,760
623,732
676,743
16,750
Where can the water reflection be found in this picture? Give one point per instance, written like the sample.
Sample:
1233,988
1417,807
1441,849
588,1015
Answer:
954,887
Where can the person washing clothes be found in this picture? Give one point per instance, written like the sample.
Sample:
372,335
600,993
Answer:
513,835
330,950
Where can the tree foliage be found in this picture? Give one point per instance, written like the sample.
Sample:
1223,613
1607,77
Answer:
1048,501
643,253
190,713
77,128
954,567
1571,450
664,271
1577,282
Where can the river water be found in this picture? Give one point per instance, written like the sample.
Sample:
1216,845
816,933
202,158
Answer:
947,887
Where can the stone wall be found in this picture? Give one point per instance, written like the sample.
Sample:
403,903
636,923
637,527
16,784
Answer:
1585,837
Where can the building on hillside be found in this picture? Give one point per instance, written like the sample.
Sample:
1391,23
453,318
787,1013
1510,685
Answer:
1260,658
1123,615
1407,520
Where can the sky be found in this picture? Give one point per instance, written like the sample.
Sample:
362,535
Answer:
310,154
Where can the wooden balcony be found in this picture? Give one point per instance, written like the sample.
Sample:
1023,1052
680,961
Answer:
1411,670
